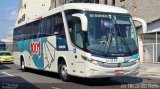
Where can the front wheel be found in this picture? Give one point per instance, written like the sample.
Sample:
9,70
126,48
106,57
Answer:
107,78
23,68
63,71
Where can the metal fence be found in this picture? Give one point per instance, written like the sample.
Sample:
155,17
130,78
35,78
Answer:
151,53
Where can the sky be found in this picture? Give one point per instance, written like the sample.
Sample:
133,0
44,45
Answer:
8,16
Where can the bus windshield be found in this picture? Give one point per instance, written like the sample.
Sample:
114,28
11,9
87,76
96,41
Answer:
111,34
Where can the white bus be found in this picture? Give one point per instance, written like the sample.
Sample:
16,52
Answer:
79,39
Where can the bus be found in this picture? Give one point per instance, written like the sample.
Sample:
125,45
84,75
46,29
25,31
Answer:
2,46
79,39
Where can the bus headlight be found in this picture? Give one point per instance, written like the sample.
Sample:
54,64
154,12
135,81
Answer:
138,60
93,61
85,58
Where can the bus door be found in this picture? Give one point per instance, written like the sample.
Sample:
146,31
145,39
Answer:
76,35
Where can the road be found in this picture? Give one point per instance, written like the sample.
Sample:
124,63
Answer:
11,77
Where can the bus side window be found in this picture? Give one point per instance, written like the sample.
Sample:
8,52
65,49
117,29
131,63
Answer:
76,32
59,26
40,28
61,32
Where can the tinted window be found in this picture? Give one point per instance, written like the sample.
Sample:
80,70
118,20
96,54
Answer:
5,54
41,28
74,25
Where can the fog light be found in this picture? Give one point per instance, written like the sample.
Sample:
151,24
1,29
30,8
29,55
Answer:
92,71
138,69
94,62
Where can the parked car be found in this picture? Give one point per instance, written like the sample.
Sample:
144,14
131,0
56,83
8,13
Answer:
6,57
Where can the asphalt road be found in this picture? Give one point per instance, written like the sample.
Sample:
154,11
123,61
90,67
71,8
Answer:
11,77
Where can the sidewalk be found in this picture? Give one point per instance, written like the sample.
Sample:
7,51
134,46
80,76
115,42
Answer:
149,70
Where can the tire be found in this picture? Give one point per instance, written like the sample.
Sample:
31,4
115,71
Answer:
107,78
23,68
63,72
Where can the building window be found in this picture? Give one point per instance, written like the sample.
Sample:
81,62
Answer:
122,0
80,1
113,2
96,1
106,2
123,6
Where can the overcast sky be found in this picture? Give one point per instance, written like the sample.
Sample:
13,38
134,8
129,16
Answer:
8,15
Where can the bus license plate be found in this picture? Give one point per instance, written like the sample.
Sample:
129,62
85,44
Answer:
112,60
117,72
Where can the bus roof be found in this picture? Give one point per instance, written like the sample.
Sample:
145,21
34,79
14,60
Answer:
80,6
94,7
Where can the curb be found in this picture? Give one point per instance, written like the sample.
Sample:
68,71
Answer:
149,70
149,74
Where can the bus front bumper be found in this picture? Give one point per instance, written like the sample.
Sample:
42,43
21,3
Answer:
95,71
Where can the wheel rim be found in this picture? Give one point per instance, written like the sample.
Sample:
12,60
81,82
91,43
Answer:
64,71
23,65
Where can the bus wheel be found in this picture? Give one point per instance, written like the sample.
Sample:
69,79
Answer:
63,72
107,78
23,68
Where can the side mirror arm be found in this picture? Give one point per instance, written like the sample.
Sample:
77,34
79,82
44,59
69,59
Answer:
84,20
144,24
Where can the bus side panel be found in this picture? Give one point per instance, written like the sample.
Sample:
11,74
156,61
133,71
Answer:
32,52
16,56
53,50
27,54
49,54
17,47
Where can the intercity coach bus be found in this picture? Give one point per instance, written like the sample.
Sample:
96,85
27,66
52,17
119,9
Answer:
79,39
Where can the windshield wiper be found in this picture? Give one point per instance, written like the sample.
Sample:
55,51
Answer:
108,42
126,45
96,51
124,42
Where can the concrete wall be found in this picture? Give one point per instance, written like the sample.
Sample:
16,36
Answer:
154,26
32,8
145,9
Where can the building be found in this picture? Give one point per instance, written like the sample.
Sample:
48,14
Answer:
152,42
138,8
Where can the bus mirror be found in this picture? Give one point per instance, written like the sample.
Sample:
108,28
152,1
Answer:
144,24
83,19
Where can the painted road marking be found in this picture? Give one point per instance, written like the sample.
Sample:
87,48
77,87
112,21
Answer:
55,88
7,74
